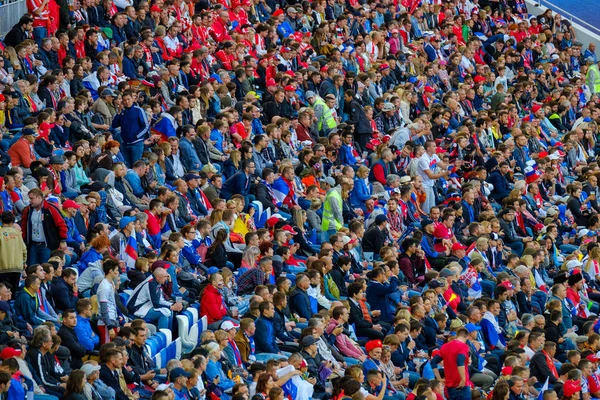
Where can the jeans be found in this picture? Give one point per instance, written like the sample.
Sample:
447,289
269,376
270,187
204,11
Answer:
463,393
37,253
325,235
40,33
132,152
163,322
517,248
264,357
44,397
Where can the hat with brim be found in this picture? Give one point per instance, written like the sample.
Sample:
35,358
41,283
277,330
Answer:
107,32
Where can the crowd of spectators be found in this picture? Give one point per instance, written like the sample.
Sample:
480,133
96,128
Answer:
361,199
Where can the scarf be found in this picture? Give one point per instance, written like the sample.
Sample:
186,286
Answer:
492,320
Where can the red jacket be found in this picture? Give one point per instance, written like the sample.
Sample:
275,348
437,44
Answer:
212,305
55,227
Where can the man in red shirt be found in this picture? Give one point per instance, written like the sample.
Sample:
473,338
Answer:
455,355
157,217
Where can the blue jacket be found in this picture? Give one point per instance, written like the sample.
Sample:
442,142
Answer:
190,253
136,183
86,336
63,296
265,342
300,303
134,125
188,156
377,297
346,156
129,69
26,308
361,193
502,187
88,257
73,235
239,183
214,369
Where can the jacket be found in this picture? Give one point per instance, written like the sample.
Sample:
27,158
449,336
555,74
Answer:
42,366
510,234
12,250
243,344
26,306
356,317
361,192
374,240
265,342
279,326
55,227
188,155
264,195
378,299
21,153
343,343
134,124
539,368
410,266
139,360
108,377
69,340
239,183
63,296
357,117
502,187
300,303
85,335
211,305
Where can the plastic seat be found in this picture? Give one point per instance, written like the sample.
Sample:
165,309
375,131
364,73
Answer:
194,313
163,358
178,348
169,336
158,360
172,350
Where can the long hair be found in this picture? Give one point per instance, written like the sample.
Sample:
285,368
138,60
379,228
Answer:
76,382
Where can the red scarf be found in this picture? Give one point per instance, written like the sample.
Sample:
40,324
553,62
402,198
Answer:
551,365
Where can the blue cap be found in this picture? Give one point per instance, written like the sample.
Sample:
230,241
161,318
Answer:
125,221
472,327
212,270
592,233
412,79
587,119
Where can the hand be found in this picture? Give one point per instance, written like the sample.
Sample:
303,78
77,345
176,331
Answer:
29,328
377,327
312,381
411,345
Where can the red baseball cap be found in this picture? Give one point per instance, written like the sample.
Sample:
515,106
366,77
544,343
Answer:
457,246
507,285
9,352
290,88
271,82
70,204
289,229
155,8
277,13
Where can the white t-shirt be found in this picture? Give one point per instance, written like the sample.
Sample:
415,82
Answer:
106,294
428,163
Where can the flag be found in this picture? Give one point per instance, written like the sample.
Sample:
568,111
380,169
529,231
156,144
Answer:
544,388
130,253
165,126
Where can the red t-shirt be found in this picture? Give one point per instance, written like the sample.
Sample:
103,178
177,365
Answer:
593,384
153,223
449,353
441,232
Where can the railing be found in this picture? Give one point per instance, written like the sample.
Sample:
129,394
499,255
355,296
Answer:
10,13
568,16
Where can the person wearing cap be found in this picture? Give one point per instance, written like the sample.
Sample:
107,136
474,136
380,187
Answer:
387,120
21,152
74,238
358,118
104,109
43,227
376,237
326,121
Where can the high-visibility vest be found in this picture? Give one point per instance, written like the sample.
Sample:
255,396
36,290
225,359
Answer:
327,116
328,216
596,84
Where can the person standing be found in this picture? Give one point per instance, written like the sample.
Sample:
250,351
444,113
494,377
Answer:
455,355
13,252
134,125
431,168
358,118
43,227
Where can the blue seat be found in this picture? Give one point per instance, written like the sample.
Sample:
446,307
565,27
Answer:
124,297
162,338
171,351
154,344
163,358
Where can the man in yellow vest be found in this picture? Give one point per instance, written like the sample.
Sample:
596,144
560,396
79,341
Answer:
333,218
592,78
325,119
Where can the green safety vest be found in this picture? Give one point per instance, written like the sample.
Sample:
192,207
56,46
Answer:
596,83
333,195
327,116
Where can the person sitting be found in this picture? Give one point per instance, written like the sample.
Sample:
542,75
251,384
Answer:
148,301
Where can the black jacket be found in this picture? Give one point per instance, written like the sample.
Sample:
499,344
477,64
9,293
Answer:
374,240
15,36
111,379
42,367
262,194
337,274
539,368
358,118
356,317
139,360
69,340
62,294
